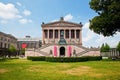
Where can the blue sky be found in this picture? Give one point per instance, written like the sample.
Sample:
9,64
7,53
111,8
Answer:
24,17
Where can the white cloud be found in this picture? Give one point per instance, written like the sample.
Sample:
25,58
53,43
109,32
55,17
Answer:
88,34
68,17
101,39
86,26
25,21
26,12
8,11
3,21
54,20
18,3
112,41
92,39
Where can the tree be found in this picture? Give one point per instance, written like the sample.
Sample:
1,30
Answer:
105,48
118,47
102,48
23,51
12,50
107,22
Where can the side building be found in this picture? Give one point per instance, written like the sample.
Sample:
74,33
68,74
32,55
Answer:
6,40
29,43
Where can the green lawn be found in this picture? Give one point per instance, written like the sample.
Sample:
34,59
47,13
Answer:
20,69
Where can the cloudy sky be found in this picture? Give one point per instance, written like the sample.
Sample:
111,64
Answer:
24,17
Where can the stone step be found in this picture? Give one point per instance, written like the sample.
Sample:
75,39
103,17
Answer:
41,52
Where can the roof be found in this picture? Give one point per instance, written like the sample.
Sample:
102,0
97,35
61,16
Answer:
29,39
8,35
61,22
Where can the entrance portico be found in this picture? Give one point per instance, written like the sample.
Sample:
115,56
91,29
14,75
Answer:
52,32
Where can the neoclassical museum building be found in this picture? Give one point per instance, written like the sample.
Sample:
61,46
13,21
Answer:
64,39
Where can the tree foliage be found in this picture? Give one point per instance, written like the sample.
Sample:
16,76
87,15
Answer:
102,48
107,22
12,49
105,48
118,47
23,51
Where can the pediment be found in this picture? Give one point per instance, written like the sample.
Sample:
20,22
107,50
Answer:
62,23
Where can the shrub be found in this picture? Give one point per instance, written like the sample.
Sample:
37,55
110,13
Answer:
36,58
94,58
64,59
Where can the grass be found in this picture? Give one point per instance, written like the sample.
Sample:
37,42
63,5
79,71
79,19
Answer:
22,69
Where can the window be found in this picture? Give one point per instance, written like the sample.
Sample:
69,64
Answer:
56,34
77,34
5,45
51,34
67,34
72,34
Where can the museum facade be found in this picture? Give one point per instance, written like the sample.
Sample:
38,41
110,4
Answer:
64,39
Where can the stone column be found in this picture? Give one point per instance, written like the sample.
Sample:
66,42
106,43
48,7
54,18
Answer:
58,33
48,36
70,35
75,34
54,35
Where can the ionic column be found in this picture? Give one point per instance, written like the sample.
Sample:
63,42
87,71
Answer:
58,33
75,34
70,35
48,36
53,34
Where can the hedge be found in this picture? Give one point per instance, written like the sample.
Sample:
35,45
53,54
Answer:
94,58
64,59
36,58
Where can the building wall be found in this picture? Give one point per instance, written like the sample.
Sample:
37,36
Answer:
6,40
30,42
